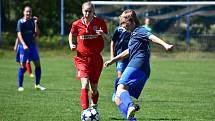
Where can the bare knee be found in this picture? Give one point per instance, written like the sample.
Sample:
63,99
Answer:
117,100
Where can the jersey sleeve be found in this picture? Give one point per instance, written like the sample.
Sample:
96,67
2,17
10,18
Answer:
74,29
104,27
115,35
142,34
18,27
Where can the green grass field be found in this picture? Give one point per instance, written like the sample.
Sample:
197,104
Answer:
178,90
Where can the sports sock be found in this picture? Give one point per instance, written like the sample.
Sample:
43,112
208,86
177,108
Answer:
28,67
84,99
126,99
94,97
21,72
123,109
38,75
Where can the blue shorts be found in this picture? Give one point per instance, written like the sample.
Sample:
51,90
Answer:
120,66
23,56
135,79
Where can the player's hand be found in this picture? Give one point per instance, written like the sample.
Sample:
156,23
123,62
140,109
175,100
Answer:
15,48
73,47
169,47
99,31
107,63
25,47
35,19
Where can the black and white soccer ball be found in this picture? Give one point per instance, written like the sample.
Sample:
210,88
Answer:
90,114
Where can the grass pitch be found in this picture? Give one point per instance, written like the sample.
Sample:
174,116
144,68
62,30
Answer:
178,90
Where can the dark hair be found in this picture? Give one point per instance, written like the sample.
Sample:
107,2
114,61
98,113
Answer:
26,4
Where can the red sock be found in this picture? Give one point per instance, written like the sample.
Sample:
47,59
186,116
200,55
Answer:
94,97
84,99
28,66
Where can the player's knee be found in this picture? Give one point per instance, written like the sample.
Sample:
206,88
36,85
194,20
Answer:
37,64
117,100
22,65
94,92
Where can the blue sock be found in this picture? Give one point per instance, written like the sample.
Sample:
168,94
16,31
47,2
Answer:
123,109
133,119
38,75
126,99
21,72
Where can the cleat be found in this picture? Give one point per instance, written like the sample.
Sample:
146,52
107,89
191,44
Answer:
31,75
39,87
113,97
94,106
20,89
131,111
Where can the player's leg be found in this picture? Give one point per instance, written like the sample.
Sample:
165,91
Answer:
131,84
120,67
21,57
28,67
94,94
34,56
119,74
84,93
21,72
95,72
38,75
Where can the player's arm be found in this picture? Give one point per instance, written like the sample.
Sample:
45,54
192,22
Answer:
157,40
112,49
102,30
16,45
102,33
121,56
37,30
19,35
71,45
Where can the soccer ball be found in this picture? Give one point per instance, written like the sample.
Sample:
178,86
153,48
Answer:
90,114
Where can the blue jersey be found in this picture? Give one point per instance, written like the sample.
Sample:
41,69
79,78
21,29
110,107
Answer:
139,50
121,38
27,29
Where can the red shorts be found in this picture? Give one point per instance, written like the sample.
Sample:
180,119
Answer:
89,66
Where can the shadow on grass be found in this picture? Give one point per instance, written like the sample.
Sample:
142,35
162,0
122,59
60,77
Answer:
147,119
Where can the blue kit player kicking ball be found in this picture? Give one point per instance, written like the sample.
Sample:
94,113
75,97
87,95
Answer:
119,43
138,69
27,49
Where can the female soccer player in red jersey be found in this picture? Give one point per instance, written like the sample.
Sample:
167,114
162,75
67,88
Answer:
90,32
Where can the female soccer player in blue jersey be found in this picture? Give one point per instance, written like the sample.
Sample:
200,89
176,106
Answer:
138,70
27,30
119,43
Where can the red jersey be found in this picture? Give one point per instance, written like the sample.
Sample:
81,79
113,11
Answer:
89,42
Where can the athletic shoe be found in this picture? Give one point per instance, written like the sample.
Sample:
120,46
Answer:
132,110
113,97
94,106
31,75
20,89
39,87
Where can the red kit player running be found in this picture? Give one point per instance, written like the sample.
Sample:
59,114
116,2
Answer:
90,32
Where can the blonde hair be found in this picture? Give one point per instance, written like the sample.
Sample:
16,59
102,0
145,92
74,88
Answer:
129,15
89,4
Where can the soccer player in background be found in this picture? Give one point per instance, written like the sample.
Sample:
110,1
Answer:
119,43
147,24
28,63
138,70
90,32
27,30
